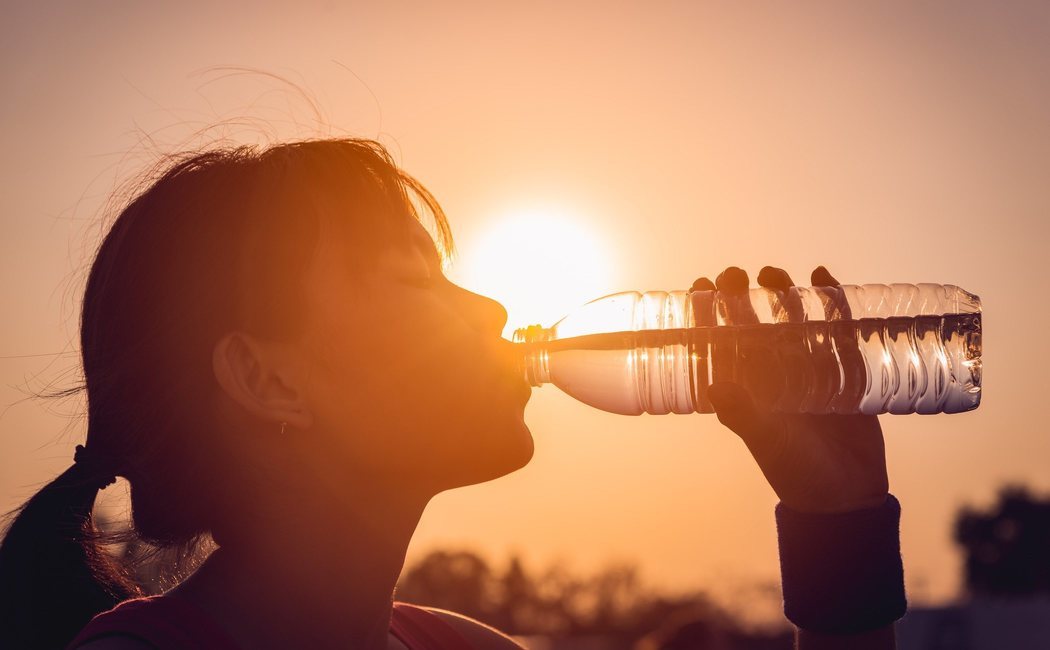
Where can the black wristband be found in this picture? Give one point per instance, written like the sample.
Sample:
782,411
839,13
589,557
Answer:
842,572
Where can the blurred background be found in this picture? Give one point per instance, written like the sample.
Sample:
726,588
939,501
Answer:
582,149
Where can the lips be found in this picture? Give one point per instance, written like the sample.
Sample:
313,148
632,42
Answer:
505,360
517,385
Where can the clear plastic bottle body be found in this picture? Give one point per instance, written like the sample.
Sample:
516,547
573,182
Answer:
869,349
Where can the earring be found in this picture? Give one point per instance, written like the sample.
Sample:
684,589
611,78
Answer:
284,425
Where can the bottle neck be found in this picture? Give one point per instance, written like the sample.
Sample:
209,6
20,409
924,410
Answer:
535,355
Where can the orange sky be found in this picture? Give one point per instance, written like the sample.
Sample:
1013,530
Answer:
891,142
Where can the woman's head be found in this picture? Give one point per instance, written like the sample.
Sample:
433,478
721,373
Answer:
249,292
279,317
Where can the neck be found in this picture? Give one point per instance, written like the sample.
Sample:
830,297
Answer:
311,578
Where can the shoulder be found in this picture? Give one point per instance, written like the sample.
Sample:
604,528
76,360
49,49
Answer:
115,642
151,623
479,635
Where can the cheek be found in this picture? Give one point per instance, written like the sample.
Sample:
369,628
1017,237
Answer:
422,403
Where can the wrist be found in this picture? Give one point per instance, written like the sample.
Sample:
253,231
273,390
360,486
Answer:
842,572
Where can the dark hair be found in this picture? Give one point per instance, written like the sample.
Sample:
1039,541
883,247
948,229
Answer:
217,241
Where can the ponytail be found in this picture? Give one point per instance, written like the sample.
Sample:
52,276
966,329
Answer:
54,577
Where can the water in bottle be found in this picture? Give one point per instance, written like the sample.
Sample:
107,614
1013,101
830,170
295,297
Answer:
869,349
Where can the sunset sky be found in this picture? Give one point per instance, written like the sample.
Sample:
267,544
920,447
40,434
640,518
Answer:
890,141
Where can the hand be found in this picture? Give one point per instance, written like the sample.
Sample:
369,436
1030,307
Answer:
815,463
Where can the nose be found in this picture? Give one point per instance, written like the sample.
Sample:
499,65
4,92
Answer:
483,313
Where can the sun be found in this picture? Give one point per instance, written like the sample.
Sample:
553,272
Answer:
538,262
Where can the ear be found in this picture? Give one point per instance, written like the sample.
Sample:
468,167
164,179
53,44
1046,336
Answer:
262,378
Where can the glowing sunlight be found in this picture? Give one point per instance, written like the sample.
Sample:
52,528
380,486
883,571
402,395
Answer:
539,262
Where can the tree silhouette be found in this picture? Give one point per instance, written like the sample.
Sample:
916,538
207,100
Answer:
1008,546
517,608
612,603
460,581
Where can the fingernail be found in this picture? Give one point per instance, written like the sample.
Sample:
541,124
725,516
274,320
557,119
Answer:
732,279
702,284
771,276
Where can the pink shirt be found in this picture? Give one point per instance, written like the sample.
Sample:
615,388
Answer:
170,623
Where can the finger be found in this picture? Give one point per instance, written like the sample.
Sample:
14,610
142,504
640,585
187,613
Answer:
733,279
774,278
787,306
734,299
836,307
821,277
702,284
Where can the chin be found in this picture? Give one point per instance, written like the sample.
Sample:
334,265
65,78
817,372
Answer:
524,450
509,449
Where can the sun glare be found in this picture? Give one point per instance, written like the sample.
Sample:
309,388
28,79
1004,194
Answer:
540,263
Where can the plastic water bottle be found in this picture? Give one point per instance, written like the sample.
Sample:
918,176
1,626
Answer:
872,348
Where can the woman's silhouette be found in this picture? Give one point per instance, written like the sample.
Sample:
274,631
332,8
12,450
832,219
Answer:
273,359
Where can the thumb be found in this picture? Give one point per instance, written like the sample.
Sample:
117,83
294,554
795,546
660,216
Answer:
736,409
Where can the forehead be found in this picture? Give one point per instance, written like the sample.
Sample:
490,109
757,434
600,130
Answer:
340,257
